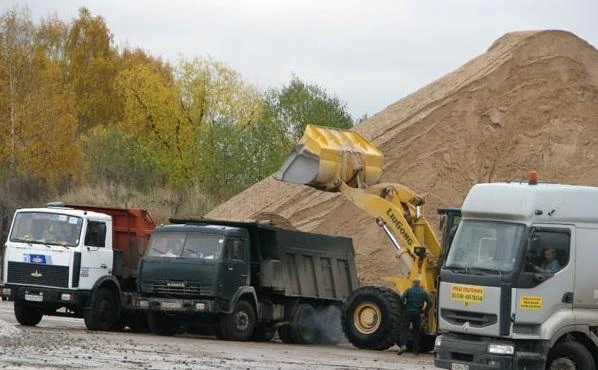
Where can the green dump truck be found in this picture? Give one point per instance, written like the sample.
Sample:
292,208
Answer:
245,280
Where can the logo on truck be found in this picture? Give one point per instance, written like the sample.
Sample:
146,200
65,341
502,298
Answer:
399,225
36,274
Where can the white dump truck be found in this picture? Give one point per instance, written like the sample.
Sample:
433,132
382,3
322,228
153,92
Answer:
77,261
519,287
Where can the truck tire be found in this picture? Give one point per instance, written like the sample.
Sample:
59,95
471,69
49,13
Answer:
371,317
330,330
160,324
570,355
104,313
263,334
304,329
26,314
239,324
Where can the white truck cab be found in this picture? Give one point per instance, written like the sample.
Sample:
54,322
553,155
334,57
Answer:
63,261
519,287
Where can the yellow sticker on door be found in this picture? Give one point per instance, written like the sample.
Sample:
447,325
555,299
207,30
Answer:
467,294
530,303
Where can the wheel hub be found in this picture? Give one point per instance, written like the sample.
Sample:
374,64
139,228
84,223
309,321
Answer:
242,321
563,363
367,317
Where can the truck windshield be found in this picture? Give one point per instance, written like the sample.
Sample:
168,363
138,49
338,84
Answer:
46,228
186,245
485,246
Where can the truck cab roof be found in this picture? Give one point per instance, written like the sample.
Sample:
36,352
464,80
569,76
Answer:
523,202
203,228
67,211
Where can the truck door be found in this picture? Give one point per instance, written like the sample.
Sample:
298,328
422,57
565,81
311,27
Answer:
546,283
235,267
96,258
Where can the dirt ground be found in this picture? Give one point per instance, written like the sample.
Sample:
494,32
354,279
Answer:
64,343
529,102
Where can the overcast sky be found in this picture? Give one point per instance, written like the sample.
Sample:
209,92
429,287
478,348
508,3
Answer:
369,53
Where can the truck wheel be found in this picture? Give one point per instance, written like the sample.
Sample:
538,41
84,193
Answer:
160,324
303,328
239,324
371,317
330,330
263,334
570,355
26,314
104,313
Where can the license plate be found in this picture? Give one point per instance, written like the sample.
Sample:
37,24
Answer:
459,367
171,305
34,297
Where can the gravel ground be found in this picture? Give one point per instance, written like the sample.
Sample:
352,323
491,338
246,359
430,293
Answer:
63,343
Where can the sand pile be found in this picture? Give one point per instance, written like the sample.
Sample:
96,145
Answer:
529,102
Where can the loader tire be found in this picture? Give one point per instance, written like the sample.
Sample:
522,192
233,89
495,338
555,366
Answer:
26,314
371,317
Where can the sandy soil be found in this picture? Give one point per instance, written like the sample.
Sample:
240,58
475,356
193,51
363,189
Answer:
64,343
529,102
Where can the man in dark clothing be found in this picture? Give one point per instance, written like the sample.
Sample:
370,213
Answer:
414,311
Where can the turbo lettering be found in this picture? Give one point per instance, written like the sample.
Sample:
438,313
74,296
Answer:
399,225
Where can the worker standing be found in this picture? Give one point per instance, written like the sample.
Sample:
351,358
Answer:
414,299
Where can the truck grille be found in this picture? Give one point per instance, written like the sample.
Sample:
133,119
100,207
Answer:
475,319
175,288
38,274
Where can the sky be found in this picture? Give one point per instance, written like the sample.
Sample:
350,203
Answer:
368,53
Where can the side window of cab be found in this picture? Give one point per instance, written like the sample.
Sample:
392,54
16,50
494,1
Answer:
235,250
548,253
95,236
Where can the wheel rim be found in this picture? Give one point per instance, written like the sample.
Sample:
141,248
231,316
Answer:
563,363
367,317
241,321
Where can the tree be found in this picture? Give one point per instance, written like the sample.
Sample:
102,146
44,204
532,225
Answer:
91,66
294,106
41,124
175,116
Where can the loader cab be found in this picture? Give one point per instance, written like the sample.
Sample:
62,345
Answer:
449,221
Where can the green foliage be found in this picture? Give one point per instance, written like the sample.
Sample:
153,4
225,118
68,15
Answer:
294,106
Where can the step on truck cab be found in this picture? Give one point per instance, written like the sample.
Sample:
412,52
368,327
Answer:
73,260
245,280
519,287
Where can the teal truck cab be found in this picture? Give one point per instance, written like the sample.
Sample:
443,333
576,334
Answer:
245,280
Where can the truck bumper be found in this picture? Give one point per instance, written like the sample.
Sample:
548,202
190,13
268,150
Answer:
465,352
41,296
188,306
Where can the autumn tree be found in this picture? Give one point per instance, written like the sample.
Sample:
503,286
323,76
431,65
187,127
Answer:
91,66
175,117
38,128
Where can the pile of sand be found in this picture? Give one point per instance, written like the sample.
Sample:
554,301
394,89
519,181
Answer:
529,102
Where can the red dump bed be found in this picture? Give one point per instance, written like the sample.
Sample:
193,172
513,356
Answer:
131,231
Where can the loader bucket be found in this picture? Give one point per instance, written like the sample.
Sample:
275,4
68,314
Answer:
325,155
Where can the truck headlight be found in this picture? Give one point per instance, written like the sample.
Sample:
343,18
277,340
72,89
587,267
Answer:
65,296
501,349
143,304
201,306
6,291
438,341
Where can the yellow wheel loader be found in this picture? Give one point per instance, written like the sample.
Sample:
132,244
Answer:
343,161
